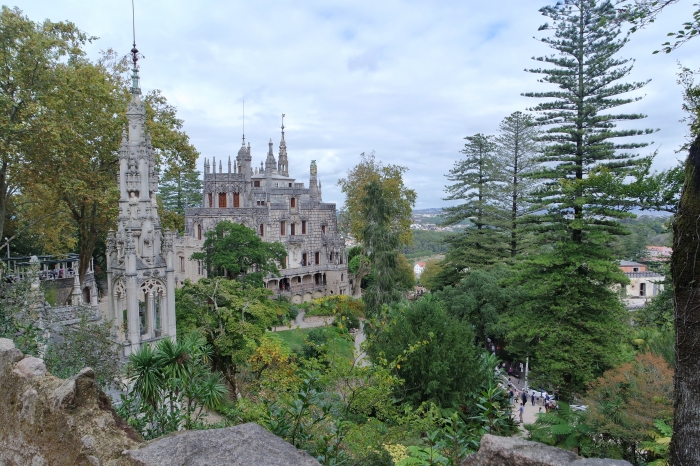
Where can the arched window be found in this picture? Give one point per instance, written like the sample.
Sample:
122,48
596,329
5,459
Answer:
222,200
293,202
211,201
199,231
236,200
262,230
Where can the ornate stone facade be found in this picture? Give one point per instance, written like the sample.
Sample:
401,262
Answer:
268,201
140,269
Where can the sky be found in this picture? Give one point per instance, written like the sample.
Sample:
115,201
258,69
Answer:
405,79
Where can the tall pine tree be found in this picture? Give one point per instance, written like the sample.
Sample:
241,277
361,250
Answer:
517,149
585,164
474,183
572,322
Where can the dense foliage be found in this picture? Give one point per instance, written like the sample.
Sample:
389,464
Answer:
235,251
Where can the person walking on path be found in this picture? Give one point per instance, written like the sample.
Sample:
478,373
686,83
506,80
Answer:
532,398
524,396
522,410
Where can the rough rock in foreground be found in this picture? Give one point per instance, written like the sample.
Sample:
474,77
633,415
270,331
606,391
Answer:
46,421
246,444
512,451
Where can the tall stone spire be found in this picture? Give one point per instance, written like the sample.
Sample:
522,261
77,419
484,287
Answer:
140,270
283,164
270,162
313,184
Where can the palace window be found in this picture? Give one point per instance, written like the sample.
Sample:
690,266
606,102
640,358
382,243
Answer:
199,268
211,201
199,231
303,260
262,230
642,289
222,200
303,227
256,183
342,277
293,229
293,202
283,228
317,258
323,229
236,200
182,264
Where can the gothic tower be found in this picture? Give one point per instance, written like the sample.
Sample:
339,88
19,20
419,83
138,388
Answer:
140,269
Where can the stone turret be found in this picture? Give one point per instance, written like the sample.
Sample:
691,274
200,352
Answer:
313,183
243,160
270,162
283,165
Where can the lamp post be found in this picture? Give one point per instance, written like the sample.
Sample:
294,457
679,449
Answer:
8,247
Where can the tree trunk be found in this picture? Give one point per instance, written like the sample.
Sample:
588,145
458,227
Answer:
685,272
3,197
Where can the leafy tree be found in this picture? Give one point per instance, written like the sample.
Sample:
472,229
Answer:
624,403
30,52
517,149
685,273
644,12
475,179
380,243
569,321
430,274
81,135
398,198
442,364
481,300
235,251
406,277
232,316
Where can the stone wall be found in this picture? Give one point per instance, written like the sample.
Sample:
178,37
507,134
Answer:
513,451
47,421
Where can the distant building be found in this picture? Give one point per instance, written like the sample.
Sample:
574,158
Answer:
418,269
643,285
658,253
278,208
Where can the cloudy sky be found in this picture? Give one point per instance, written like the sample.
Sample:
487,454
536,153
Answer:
407,79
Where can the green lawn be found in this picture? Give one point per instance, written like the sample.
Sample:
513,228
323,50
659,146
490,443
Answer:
295,340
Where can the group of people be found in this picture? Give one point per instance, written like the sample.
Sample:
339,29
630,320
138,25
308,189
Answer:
548,401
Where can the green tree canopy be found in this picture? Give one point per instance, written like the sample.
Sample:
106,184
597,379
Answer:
482,300
443,364
232,316
399,198
235,251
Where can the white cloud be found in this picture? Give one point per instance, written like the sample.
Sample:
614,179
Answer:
408,79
